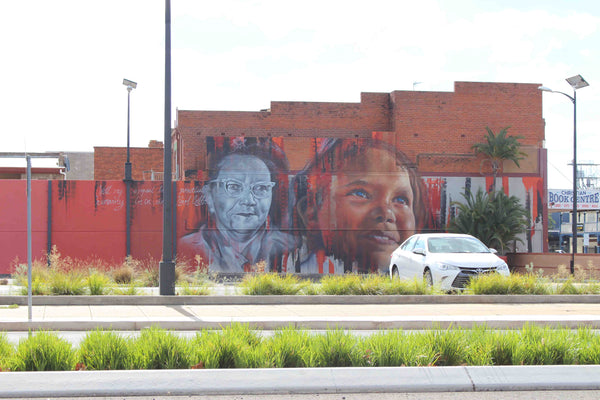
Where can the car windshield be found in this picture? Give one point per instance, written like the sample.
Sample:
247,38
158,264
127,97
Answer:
456,245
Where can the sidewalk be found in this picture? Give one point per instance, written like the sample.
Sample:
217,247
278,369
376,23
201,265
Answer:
310,312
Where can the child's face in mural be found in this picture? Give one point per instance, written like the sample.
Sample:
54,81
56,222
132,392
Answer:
369,212
241,195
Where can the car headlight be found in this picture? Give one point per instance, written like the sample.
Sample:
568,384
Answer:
502,268
447,267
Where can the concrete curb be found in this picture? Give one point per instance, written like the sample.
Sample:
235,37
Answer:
297,380
271,300
311,323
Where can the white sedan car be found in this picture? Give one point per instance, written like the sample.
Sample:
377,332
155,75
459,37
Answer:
445,259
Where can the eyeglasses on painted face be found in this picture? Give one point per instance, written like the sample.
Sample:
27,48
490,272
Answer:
235,188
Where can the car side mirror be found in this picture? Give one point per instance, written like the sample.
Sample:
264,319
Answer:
419,251
493,250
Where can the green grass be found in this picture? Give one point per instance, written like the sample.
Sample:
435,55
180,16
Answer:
6,351
513,284
194,289
272,284
156,348
43,351
105,350
98,283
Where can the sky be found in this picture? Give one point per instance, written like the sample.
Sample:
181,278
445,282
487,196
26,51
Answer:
63,62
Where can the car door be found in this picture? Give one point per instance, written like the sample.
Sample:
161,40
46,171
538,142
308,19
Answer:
402,256
416,259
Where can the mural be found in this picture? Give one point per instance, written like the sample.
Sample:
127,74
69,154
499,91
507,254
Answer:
352,203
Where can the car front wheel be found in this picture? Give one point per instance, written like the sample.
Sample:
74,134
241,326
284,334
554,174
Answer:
428,277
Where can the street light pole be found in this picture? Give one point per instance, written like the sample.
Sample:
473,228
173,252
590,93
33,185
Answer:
130,86
166,268
576,82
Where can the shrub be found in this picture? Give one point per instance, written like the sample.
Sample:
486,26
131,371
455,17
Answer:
130,289
43,351
396,348
6,351
272,284
513,284
287,348
340,284
102,350
125,273
544,346
230,348
70,282
98,283
408,287
448,346
200,289
149,276
589,346
334,348
156,348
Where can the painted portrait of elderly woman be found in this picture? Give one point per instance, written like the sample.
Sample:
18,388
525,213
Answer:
356,201
247,180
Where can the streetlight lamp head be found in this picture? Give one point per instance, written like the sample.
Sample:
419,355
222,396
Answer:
577,82
129,84
545,89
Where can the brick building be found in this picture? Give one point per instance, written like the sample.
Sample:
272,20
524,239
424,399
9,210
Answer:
146,163
435,129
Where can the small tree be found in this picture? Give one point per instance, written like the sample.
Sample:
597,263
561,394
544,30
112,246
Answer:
498,148
495,219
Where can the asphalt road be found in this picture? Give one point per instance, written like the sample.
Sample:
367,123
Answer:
528,395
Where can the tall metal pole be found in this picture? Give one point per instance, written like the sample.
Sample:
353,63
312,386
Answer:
29,255
576,82
167,266
574,222
128,185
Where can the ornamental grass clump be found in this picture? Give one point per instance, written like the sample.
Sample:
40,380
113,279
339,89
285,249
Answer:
105,350
408,287
156,348
184,288
272,284
232,347
287,348
396,348
513,284
6,351
341,284
589,348
43,351
545,346
69,282
334,348
125,273
39,278
448,346
98,283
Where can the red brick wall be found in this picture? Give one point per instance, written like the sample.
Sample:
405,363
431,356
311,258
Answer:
109,162
450,123
435,129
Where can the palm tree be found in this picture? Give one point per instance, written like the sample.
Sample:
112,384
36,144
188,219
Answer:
496,220
498,148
